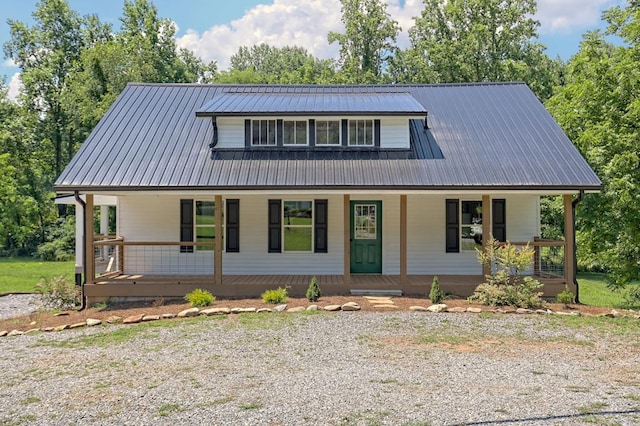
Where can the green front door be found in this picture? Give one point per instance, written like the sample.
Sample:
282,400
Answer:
366,237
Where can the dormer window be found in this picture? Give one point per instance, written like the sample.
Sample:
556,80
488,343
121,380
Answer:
360,132
263,132
294,132
328,132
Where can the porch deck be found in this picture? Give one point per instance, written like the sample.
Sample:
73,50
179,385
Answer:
238,286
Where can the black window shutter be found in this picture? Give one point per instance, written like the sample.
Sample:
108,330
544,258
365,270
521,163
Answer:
275,224
453,226
345,132
499,219
376,133
233,225
321,222
247,133
186,224
279,132
312,132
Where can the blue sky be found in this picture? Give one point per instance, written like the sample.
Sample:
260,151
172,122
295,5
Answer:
214,29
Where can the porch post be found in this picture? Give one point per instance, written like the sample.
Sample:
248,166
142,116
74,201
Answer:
346,219
486,229
104,228
89,256
569,272
403,239
217,251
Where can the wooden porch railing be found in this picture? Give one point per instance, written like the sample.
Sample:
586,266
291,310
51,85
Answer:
549,259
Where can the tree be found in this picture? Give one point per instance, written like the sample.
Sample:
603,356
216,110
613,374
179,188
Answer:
368,40
479,40
599,109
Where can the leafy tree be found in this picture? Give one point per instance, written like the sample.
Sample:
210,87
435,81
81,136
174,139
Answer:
478,40
368,41
599,109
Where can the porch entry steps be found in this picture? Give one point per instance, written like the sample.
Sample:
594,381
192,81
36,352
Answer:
363,292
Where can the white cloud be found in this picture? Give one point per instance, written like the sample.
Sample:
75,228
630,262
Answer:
303,23
569,15
15,87
9,63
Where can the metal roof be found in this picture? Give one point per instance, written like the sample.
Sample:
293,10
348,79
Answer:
234,103
481,136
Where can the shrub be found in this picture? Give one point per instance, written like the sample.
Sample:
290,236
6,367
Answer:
565,296
313,291
61,241
278,295
200,298
632,297
507,286
435,294
58,292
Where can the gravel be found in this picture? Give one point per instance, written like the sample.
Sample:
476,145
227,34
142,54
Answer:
329,368
15,305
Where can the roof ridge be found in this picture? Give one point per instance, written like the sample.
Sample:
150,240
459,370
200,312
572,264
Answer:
322,86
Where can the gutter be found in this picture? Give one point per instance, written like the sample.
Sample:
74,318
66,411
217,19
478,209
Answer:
80,281
574,203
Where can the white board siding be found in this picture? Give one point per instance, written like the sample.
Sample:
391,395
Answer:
426,233
157,218
394,131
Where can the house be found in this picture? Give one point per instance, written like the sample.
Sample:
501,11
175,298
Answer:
366,187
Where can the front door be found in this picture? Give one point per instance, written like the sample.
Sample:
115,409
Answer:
366,237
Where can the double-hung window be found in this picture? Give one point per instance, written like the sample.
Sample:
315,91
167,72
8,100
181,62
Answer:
263,132
205,223
328,132
361,133
471,224
294,132
297,229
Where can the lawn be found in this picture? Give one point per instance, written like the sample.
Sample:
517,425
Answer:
20,275
594,291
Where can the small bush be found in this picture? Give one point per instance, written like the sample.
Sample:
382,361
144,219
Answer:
435,294
199,298
278,295
632,297
58,292
313,291
565,297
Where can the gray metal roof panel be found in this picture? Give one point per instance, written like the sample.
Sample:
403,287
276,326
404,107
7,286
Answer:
479,136
234,103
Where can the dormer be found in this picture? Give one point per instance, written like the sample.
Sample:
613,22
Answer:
312,119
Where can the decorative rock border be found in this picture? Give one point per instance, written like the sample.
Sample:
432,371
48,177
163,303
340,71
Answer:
347,307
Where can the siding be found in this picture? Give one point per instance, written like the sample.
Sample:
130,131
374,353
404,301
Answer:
230,132
394,133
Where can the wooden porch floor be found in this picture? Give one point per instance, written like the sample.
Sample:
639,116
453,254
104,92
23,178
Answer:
253,285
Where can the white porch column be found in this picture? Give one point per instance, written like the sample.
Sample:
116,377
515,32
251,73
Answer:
79,239
217,251
346,220
104,229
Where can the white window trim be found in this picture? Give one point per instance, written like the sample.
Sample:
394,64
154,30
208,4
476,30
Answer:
312,226
373,130
295,121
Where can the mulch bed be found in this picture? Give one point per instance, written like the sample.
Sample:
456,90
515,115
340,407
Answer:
45,319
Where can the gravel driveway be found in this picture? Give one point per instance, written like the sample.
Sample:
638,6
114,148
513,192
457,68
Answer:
335,369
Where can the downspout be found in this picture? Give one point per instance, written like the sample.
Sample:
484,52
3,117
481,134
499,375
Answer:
574,203
80,201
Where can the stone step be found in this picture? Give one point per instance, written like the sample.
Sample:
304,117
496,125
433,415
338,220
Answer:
383,292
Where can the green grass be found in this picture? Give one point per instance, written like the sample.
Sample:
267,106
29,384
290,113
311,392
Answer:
20,275
594,291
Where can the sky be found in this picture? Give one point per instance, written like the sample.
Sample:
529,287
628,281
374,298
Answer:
215,29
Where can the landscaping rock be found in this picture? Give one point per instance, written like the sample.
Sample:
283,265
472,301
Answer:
524,311
264,310
191,312
32,330
296,309
113,319
615,314
15,333
457,309
440,307
150,318
78,325
133,319
243,310
313,308
3,333
351,306
92,322
418,308
47,329
61,314
473,310
61,327
168,316
215,311
575,314
280,308
332,308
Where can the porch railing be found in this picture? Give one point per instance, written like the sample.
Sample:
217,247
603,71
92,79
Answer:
548,257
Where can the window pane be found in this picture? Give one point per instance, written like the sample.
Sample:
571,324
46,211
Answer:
321,132
334,132
288,137
368,133
205,234
297,239
271,132
205,213
297,213
353,132
301,132
471,226
255,133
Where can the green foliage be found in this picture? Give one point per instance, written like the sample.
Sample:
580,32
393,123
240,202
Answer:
506,285
435,294
631,297
61,244
278,295
58,292
313,291
200,298
566,297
